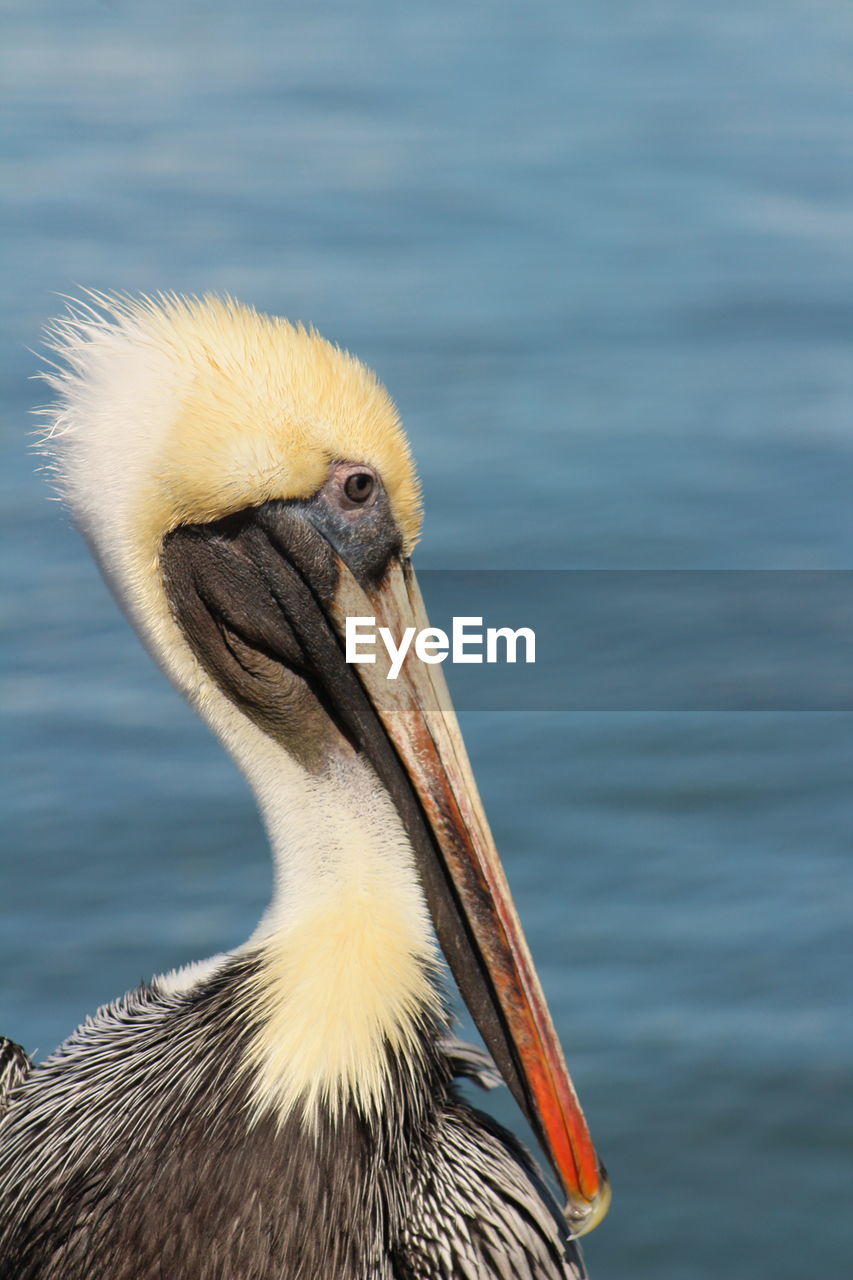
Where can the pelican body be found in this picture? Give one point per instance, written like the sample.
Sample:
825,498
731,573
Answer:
289,1111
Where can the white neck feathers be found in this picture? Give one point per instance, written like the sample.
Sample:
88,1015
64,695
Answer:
347,952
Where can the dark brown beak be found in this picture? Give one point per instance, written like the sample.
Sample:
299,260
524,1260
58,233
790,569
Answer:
482,937
263,599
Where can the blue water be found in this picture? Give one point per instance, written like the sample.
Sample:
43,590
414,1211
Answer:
602,254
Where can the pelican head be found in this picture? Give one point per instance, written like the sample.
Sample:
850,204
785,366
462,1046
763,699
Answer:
246,486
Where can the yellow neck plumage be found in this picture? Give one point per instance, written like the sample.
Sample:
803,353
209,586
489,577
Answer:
347,951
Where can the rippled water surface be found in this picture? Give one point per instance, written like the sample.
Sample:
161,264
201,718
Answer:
603,257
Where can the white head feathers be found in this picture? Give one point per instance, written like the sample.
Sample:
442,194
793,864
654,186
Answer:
182,410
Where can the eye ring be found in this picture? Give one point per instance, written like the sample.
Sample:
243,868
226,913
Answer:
359,487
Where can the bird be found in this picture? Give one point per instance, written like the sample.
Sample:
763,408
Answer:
289,1110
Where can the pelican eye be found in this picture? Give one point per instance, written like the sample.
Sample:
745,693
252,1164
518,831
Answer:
359,487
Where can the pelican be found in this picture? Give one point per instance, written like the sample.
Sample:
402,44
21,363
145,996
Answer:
289,1110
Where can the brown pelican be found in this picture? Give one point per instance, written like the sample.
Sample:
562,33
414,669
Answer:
289,1110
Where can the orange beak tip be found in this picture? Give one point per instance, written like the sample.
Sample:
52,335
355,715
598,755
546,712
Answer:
584,1215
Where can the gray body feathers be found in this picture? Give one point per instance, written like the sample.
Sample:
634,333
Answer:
15,1066
129,1155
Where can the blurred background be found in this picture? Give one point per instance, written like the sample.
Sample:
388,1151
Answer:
602,255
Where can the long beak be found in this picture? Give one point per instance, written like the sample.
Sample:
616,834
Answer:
475,917
273,585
